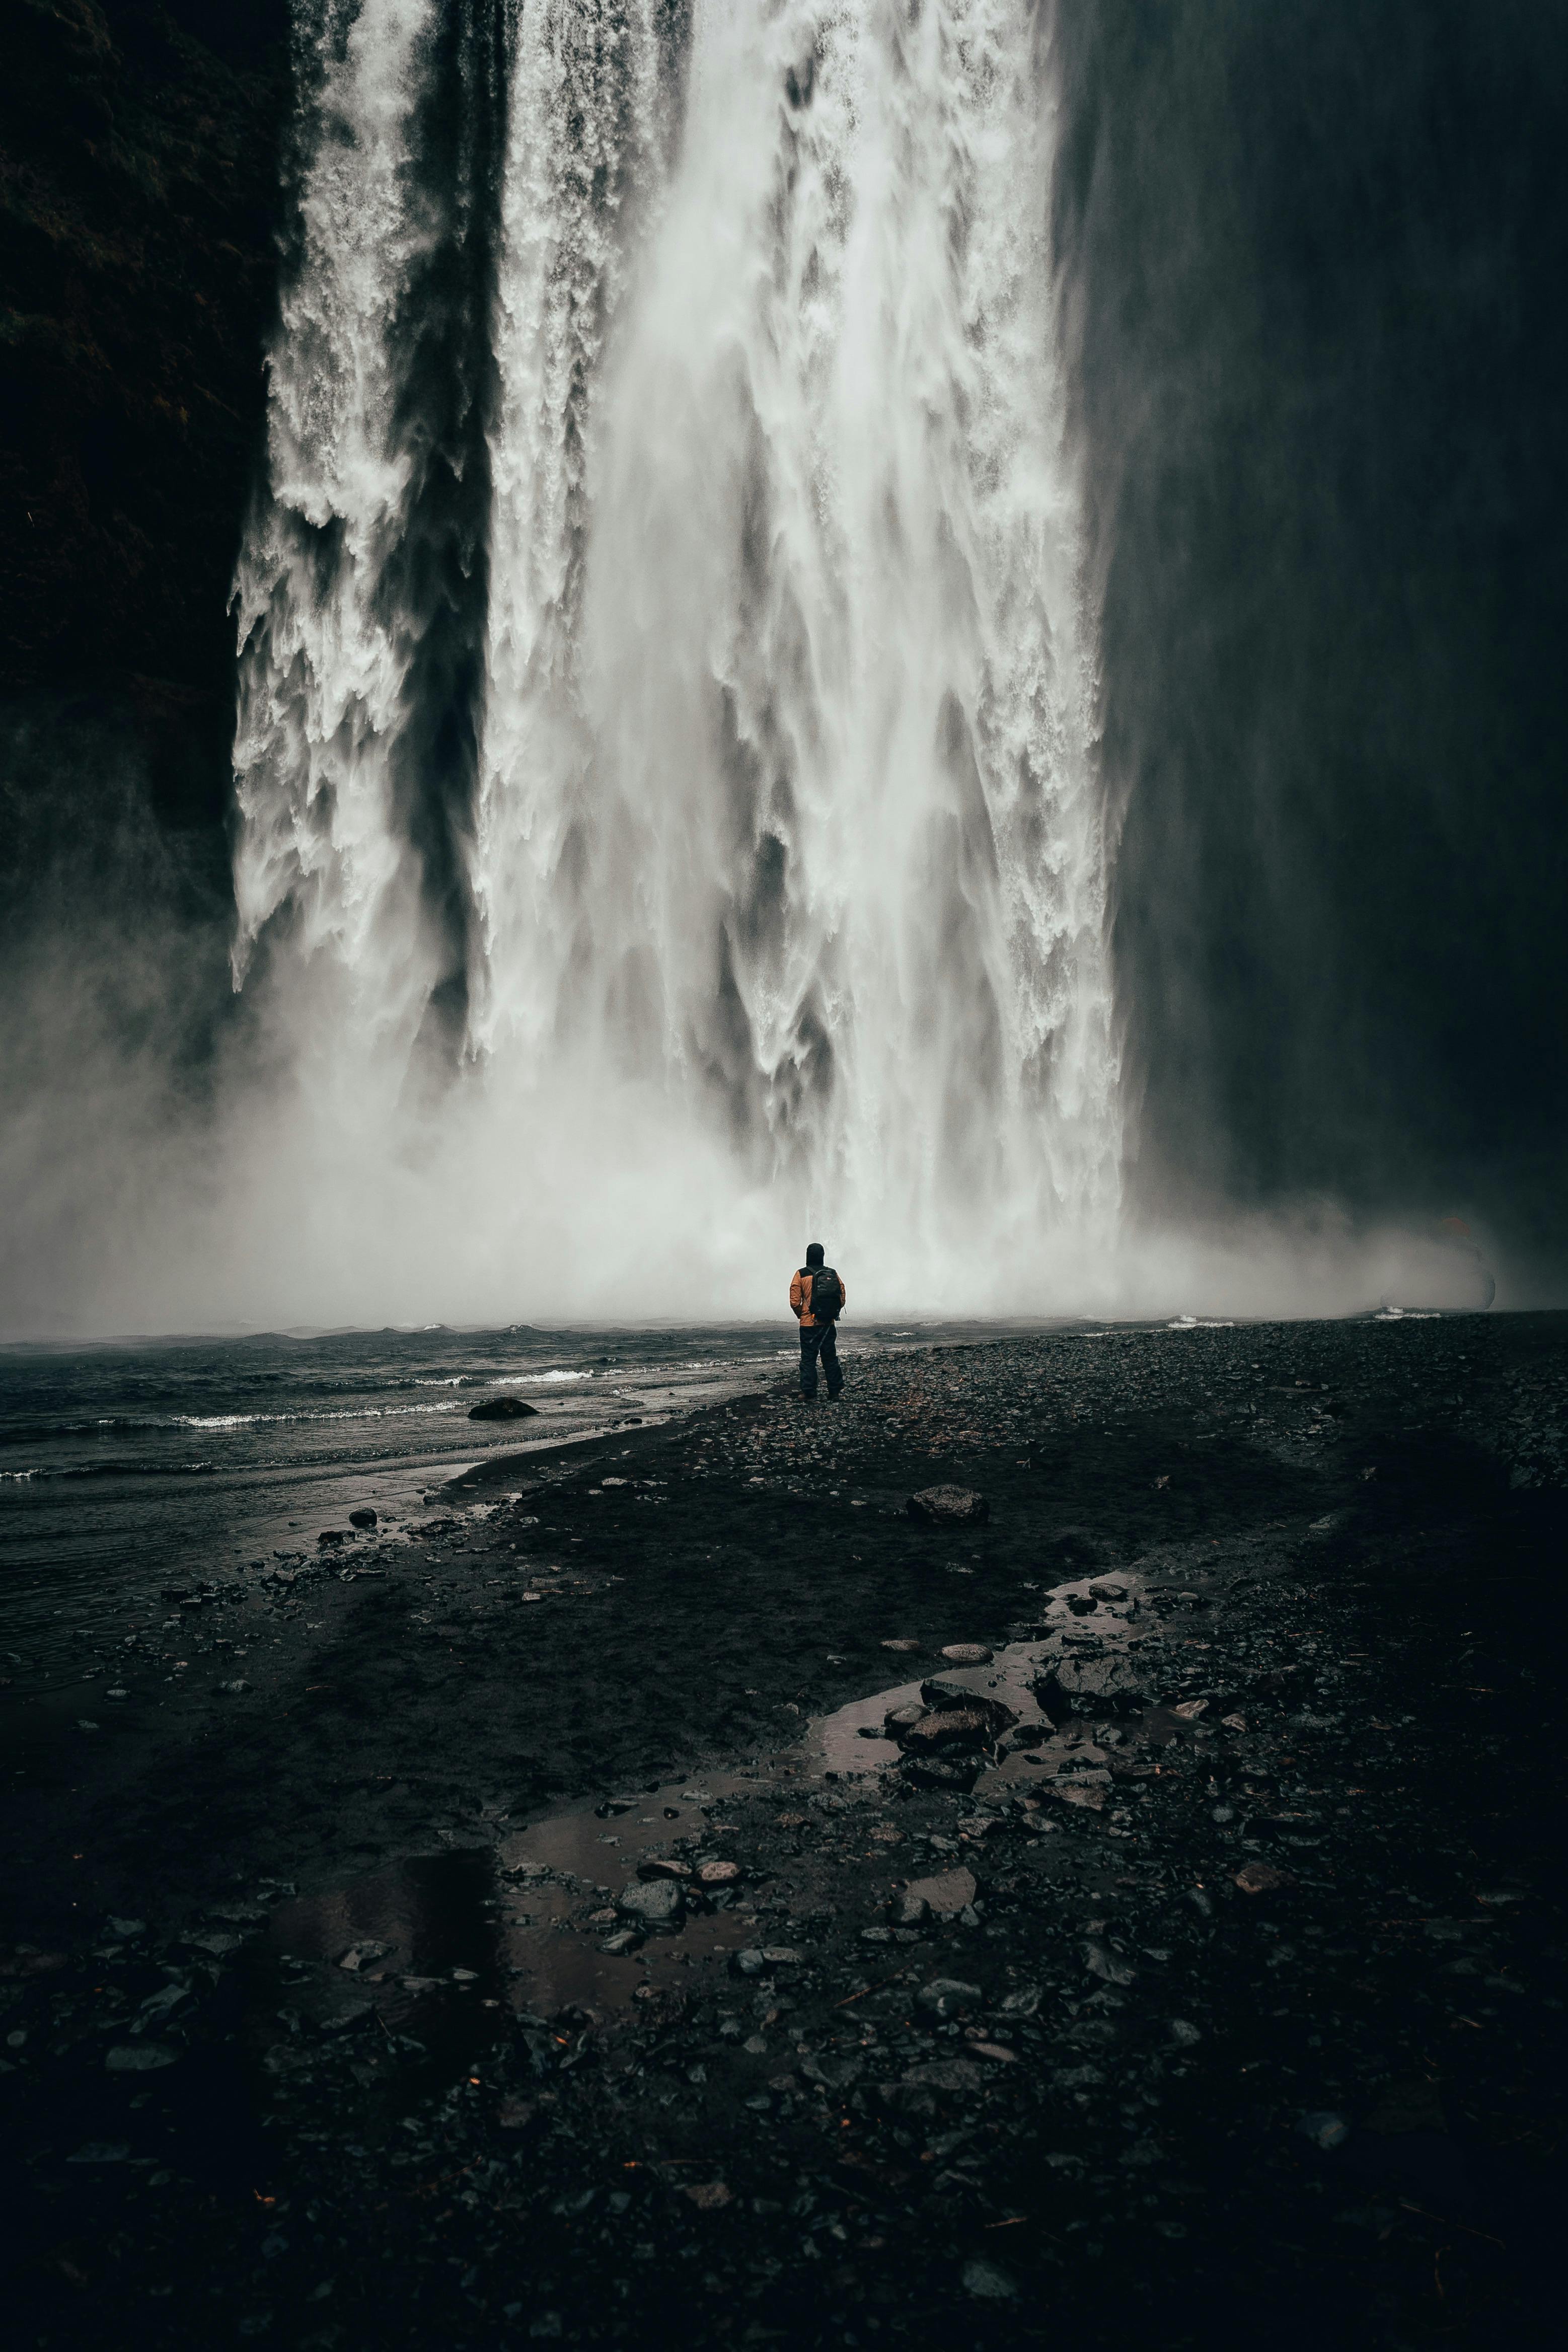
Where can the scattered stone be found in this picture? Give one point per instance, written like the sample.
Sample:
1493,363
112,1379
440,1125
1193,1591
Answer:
1090,1795
834,2074
996,2051
658,1866
944,1691
948,1894
1090,1685
627,1940
900,1719
1260,1878
966,1653
980,1724
941,1772
760,1960
719,1873
503,1408
946,2075
160,2005
329,1537
1189,1709
660,1905
707,2196
989,2281
1325,2128
138,2057
364,1518
948,1507
1102,1961
347,2015
513,2114
127,1929
356,1955
945,1997
1183,2033
1234,1722
905,1910
100,2151
908,1646
236,1688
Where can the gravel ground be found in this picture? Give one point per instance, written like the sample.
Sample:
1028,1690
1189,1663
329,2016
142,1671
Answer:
328,2019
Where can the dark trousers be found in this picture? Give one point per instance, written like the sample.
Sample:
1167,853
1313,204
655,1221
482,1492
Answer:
819,1339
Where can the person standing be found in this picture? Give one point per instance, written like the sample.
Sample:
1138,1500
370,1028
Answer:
817,1297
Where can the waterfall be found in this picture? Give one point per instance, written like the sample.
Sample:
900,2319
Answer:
585,155
755,818
362,580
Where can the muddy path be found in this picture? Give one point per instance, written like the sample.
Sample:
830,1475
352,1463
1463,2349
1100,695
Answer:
1248,1914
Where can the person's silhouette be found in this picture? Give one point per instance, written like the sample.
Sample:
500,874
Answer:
817,1297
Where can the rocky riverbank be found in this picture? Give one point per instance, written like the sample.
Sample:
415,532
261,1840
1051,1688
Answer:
677,1892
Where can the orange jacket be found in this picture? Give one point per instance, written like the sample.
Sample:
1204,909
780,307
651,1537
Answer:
800,1292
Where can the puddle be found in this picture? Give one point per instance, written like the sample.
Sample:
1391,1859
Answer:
1100,1615
449,1948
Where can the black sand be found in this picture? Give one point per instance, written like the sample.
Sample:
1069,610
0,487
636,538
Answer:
1348,1537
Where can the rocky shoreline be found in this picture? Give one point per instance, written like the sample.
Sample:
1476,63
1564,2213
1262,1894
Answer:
684,1893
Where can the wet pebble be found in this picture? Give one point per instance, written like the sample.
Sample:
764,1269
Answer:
947,1997
659,1904
948,1507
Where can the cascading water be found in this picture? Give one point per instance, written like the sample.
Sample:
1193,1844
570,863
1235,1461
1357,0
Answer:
359,579
780,850
583,163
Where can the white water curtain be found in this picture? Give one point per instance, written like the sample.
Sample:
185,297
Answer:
787,838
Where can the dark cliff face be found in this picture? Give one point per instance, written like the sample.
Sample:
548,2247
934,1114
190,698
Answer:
1316,255
140,186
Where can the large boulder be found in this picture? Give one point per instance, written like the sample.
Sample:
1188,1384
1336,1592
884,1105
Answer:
503,1408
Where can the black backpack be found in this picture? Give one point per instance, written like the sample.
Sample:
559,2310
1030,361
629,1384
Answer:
823,1300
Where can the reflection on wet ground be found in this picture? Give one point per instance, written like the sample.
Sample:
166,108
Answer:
448,1948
